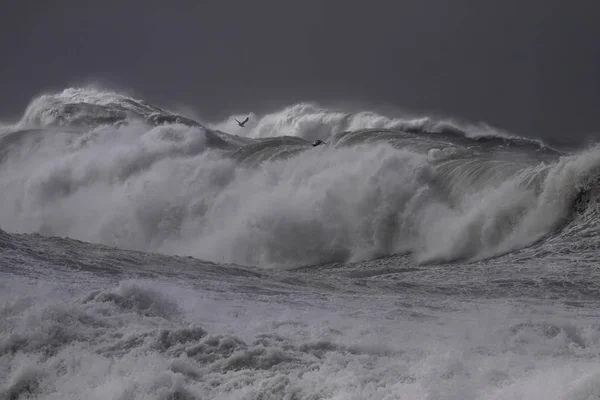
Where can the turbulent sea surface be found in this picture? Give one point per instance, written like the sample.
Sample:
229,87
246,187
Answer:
147,255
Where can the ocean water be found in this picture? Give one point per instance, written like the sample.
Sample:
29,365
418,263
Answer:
146,254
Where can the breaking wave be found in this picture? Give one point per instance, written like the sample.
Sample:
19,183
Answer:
106,168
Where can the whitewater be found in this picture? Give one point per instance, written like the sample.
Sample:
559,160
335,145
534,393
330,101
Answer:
147,254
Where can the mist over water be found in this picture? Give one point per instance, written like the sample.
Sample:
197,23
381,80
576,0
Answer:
148,255
101,170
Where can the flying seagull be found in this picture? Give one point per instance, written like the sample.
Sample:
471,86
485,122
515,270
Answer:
243,122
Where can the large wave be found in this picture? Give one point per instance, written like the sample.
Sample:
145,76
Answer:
104,167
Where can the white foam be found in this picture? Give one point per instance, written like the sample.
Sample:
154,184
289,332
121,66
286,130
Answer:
160,189
103,343
47,108
311,122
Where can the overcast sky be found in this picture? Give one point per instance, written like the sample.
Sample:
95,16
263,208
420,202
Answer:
530,66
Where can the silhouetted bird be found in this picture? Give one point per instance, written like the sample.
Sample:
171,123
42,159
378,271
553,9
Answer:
243,122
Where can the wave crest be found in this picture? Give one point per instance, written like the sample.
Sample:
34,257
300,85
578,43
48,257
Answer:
129,174
91,107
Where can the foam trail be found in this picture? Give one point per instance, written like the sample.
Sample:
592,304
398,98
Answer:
141,339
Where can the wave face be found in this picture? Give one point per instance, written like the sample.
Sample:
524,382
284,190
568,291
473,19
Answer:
106,168
476,275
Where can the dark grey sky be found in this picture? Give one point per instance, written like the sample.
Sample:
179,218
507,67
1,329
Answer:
531,66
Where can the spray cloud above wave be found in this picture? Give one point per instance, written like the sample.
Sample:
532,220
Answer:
103,167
